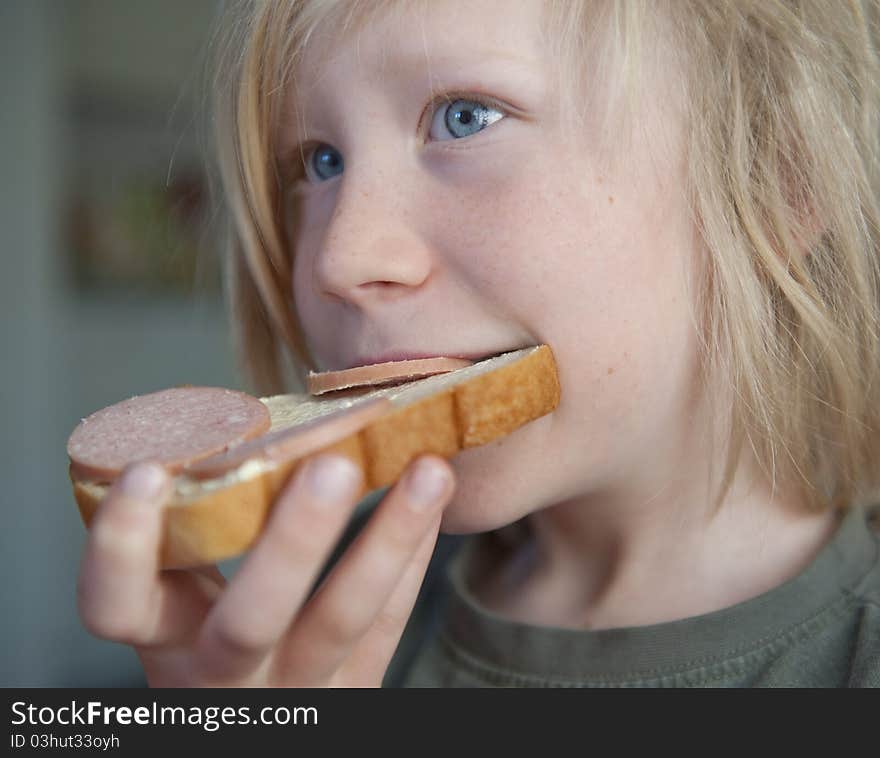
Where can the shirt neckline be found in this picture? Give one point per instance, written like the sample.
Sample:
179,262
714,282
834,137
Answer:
558,654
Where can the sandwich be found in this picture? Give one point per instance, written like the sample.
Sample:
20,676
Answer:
230,453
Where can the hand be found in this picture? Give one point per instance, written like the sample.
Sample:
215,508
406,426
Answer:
193,628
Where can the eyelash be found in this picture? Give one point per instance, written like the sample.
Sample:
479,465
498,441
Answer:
304,152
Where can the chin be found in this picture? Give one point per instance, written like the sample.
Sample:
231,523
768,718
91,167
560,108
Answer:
495,485
459,519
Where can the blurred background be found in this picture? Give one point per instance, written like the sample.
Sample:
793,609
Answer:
108,277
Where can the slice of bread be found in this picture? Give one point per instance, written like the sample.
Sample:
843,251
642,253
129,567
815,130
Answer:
214,519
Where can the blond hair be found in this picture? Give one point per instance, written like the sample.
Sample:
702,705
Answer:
782,112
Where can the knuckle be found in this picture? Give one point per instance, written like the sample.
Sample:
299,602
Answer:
291,549
110,623
388,624
305,532
234,641
114,626
294,529
338,630
381,572
107,608
400,537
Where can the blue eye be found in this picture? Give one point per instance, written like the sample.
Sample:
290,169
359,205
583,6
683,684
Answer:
462,118
324,163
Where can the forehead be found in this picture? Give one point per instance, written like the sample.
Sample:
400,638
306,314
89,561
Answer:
392,36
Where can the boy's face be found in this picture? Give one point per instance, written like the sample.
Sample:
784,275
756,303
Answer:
482,227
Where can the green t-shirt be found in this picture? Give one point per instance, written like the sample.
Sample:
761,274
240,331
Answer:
820,629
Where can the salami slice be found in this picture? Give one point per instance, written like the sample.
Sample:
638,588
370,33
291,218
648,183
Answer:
294,442
382,374
174,427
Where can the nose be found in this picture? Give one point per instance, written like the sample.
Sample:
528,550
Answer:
370,248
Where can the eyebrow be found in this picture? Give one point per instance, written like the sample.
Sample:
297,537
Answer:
422,59
410,63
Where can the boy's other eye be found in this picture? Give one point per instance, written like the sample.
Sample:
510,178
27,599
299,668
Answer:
323,162
462,118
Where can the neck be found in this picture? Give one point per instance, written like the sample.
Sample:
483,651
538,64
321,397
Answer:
651,552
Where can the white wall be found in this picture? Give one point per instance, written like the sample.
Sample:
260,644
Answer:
62,357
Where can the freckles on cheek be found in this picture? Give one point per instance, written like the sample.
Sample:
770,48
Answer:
478,231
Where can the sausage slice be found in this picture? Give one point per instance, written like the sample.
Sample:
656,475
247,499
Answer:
174,427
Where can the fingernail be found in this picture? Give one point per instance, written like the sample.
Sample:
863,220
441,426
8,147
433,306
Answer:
332,478
144,481
426,484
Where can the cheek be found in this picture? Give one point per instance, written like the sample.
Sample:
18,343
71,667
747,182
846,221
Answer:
508,230
302,268
311,313
306,221
301,241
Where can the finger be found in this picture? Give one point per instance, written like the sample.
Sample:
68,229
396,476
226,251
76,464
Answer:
368,662
121,594
275,579
181,604
346,605
118,579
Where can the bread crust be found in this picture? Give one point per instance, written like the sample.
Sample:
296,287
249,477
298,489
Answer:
220,523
